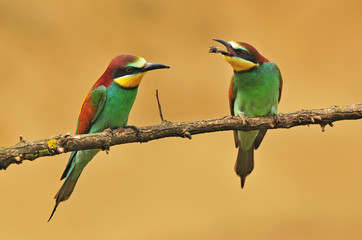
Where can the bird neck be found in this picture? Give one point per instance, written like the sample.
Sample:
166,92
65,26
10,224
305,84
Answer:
257,76
246,70
249,78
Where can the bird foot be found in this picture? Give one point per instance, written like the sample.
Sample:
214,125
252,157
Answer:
242,116
136,129
110,131
107,148
276,119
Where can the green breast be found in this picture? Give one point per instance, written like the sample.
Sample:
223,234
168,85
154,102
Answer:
116,109
257,90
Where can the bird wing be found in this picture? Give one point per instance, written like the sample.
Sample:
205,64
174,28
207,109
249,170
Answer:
92,106
262,132
232,96
280,86
259,138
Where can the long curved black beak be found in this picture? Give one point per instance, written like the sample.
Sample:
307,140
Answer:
231,52
153,66
225,43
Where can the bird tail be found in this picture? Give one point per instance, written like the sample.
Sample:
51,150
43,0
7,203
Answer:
244,163
78,161
66,189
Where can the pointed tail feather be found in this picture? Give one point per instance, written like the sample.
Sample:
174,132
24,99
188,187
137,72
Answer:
68,186
244,163
55,208
66,189
75,166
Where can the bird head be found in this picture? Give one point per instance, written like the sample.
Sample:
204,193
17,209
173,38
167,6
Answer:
241,56
127,71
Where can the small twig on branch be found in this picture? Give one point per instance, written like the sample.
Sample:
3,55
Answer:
59,144
159,105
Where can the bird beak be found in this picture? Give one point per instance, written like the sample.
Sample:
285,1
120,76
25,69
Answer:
231,52
153,66
236,62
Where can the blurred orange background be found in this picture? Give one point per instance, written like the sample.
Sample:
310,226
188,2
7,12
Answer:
306,184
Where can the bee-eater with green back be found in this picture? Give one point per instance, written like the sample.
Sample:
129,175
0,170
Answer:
107,105
254,91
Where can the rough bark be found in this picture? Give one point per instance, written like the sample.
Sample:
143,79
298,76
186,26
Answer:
55,145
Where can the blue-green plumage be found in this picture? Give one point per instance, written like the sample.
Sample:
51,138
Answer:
254,91
257,90
113,107
256,94
117,108
107,105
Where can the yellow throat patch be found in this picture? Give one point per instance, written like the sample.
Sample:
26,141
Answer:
239,64
130,81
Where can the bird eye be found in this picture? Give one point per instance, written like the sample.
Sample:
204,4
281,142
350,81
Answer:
241,52
129,69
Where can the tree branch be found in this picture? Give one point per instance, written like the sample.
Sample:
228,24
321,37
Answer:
65,143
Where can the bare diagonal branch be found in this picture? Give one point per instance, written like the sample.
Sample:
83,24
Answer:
65,143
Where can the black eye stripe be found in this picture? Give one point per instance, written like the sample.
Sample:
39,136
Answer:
241,51
246,55
120,72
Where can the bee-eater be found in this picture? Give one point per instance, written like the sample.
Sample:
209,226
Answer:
107,105
254,91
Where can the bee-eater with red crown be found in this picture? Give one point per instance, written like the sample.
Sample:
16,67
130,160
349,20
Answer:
107,105
254,91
